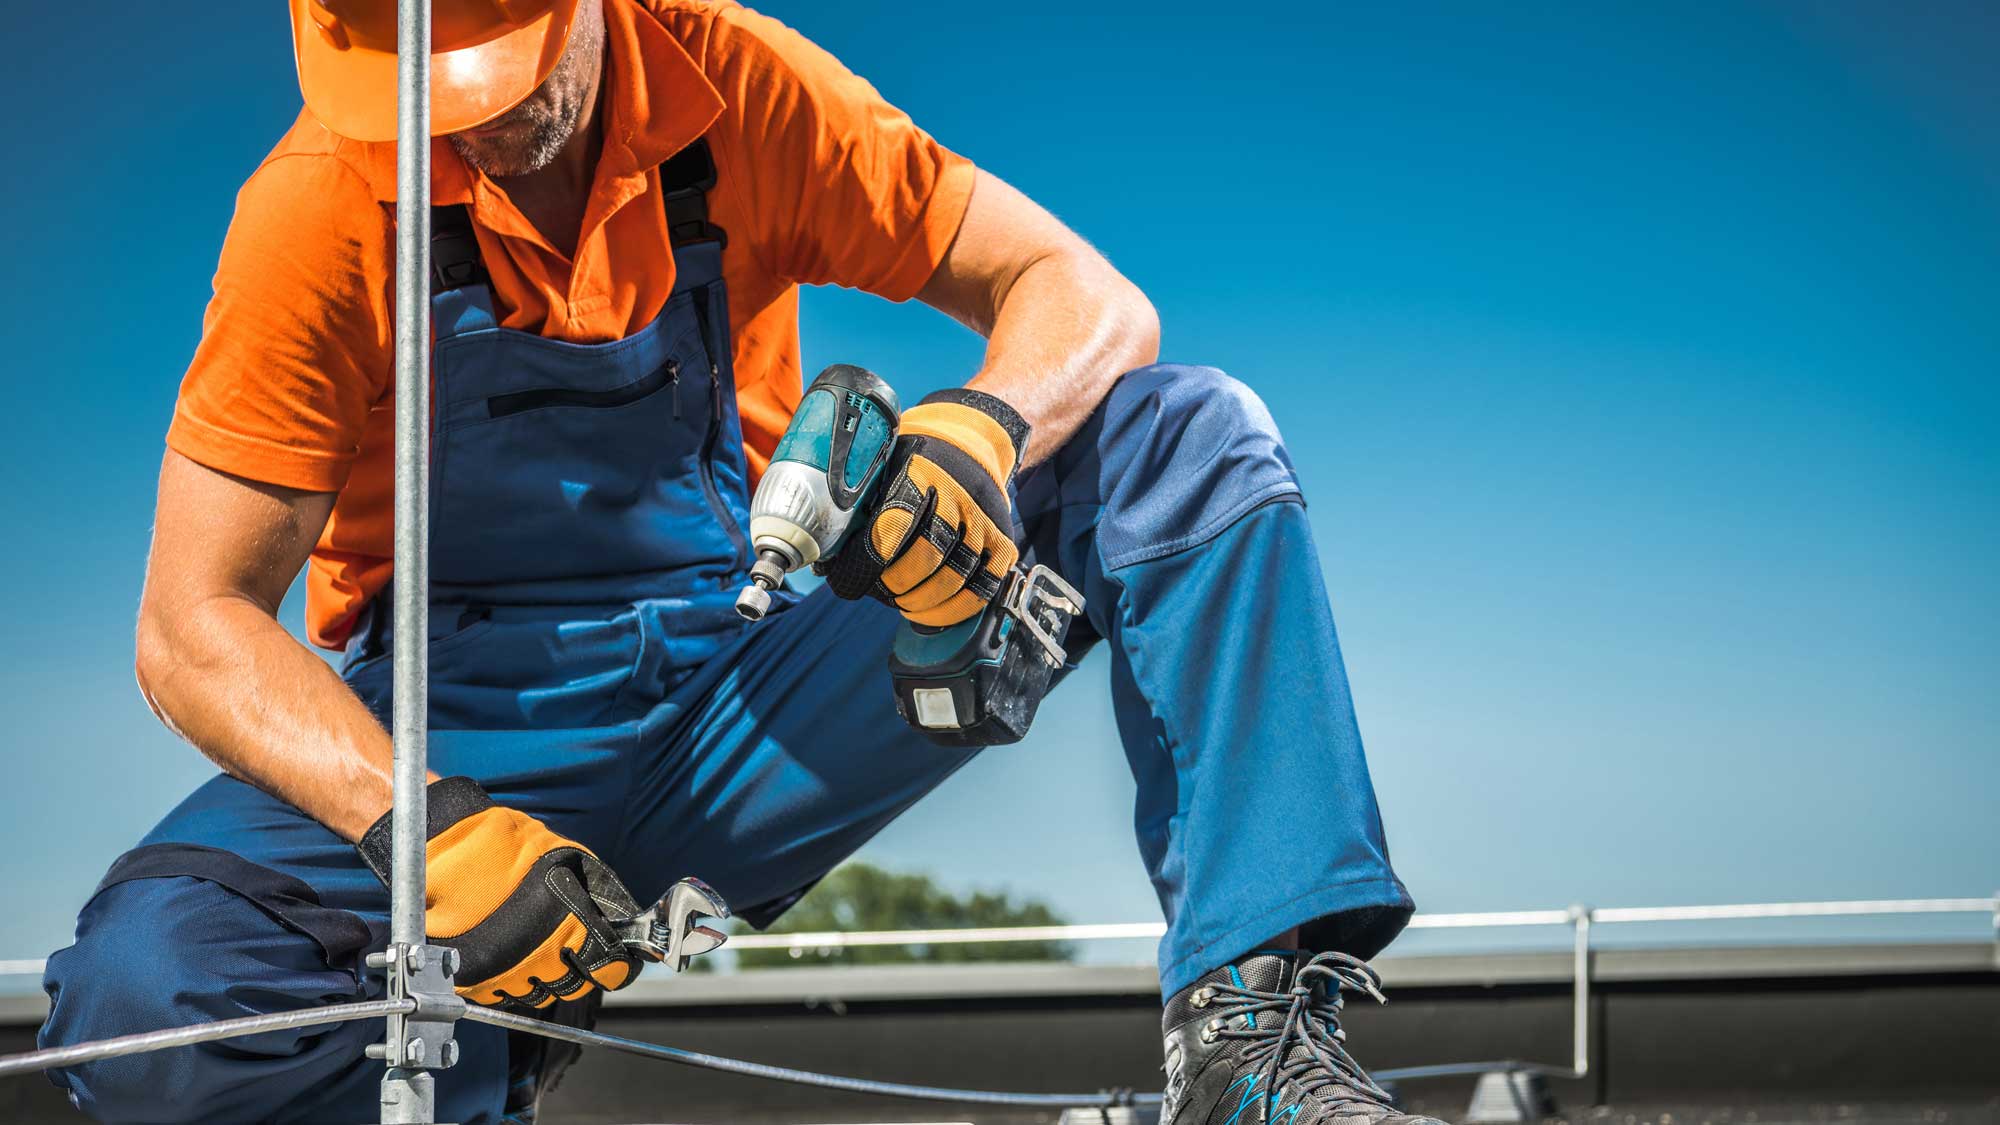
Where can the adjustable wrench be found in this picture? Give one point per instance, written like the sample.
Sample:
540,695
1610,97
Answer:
671,930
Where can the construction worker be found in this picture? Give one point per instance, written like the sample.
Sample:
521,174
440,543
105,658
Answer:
627,195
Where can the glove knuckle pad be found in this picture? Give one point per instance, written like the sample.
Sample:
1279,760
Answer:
549,938
940,534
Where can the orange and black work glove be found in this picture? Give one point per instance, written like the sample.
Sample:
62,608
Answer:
528,911
938,538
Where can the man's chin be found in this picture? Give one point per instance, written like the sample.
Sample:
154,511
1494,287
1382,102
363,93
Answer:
497,155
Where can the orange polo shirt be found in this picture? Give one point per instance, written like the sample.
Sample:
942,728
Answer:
821,181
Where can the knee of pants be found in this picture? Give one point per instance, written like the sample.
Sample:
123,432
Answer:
167,952
1183,453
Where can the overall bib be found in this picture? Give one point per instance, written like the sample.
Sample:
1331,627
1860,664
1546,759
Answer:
589,507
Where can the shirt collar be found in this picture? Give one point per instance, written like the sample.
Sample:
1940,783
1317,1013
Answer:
656,101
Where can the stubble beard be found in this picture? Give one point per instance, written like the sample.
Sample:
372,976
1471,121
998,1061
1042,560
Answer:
536,133
538,128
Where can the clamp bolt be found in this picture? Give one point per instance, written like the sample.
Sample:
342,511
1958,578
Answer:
448,1057
413,1052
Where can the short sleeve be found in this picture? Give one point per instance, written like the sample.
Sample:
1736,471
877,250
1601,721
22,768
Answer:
296,342
843,188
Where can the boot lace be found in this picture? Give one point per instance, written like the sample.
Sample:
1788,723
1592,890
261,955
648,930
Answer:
1307,1050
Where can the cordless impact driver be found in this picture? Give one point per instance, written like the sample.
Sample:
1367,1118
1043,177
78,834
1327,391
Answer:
977,683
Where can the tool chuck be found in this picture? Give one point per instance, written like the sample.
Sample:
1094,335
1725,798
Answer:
765,576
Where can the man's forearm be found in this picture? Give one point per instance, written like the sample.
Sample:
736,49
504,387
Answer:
228,678
1067,328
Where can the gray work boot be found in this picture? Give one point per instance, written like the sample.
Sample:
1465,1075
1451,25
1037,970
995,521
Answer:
1260,1041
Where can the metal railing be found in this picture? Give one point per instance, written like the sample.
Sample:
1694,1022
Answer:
1581,919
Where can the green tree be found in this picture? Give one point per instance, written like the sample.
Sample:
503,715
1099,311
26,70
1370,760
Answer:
861,896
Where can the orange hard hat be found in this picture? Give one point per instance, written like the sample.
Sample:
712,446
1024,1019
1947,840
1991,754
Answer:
487,56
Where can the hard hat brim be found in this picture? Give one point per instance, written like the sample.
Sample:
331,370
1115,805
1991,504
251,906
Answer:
352,91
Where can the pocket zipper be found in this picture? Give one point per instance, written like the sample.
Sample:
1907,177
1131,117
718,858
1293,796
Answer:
715,503
668,374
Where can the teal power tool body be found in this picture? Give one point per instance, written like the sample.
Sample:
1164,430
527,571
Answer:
977,683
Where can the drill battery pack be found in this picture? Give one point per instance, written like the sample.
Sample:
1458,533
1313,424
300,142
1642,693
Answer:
979,683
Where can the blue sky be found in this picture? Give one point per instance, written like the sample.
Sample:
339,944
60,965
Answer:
1640,364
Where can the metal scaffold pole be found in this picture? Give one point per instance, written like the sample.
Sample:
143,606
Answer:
413,572
421,1040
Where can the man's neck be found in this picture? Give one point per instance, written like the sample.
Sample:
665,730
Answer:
555,196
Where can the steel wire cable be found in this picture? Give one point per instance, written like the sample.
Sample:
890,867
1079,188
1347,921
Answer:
30,1061
806,1077
49,1058
933,1093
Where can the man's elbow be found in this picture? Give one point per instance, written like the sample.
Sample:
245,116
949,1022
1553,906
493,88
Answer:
1142,326
1131,323
164,651
152,657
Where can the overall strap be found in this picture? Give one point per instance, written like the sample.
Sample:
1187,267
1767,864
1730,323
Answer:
340,934
461,290
685,181
454,249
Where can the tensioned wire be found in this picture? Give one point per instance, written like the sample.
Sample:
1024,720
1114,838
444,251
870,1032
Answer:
143,1042
805,1077
53,1057
30,1061
1102,1098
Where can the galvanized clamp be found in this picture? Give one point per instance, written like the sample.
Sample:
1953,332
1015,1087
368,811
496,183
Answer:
420,1039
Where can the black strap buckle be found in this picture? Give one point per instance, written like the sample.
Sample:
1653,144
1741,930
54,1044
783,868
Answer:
685,180
455,260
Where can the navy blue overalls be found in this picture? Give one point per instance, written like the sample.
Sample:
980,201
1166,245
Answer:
589,505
